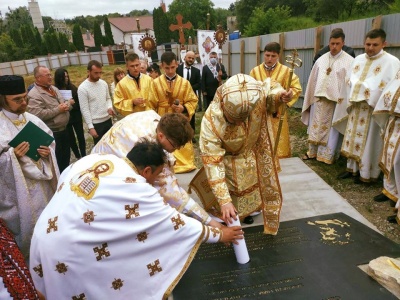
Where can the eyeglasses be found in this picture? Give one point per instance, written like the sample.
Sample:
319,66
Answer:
172,144
19,100
46,75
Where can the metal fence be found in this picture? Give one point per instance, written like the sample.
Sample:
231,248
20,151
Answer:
25,67
240,56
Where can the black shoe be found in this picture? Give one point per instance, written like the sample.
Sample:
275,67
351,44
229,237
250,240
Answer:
248,220
357,180
392,203
381,198
194,140
344,175
392,219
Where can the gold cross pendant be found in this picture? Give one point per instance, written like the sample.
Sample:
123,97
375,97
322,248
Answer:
328,71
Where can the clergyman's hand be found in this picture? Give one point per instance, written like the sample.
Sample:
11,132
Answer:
43,151
228,212
231,234
21,149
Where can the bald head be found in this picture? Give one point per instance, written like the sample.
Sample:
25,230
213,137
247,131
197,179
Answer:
189,58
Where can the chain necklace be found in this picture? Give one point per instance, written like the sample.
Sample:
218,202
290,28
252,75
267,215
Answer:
329,69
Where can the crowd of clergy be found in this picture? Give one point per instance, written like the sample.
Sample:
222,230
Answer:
62,224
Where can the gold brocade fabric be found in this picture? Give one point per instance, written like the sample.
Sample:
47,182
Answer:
356,132
166,92
281,75
239,164
322,122
127,90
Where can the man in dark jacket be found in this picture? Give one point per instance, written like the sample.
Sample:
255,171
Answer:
326,49
186,70
212,76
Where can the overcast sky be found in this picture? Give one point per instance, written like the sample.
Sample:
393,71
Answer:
67,9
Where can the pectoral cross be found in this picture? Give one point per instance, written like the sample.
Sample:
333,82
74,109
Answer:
180,26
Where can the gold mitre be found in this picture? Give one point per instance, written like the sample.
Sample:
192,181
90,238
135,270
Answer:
240,95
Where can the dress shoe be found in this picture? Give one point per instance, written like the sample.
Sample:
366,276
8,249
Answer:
392,204
248,220
381,198
392,219
194,141
344,175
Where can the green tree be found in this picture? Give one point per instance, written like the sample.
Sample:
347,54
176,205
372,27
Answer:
41,49
98,36
16,37
194,11
77,38
8,49
15,18
47,22
138,13
161,26
109,39
221,16
244,10
395,6
265,22
63,42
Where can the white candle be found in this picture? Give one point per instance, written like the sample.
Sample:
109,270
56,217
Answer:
242,255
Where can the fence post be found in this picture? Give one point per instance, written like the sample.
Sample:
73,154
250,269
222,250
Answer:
229,59
376,22
318,36
242,43
282,43
258,46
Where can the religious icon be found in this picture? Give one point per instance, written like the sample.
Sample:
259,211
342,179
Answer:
147,43
208,45
220,36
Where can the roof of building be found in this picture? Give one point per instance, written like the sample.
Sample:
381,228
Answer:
129,24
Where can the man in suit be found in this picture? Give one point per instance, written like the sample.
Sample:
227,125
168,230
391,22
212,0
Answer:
326,49
186,70
211,78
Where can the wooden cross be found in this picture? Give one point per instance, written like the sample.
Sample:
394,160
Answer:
180,26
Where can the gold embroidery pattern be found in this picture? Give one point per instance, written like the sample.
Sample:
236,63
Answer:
88,216
177,221
52,225
340,100
154,267
215,231
130,180
38,270
386,99
86,183
211,159
60,187
367,93
382,85
330,235
356,68
377,70
141,237
79,297
205,185
117,284
100,252
132,211
61,268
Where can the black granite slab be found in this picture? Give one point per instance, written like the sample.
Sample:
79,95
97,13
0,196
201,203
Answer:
298,263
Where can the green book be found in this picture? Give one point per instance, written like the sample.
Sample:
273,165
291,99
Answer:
35,136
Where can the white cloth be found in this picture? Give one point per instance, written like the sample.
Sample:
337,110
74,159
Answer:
94,100
325,84
387,115
206,44
121,138
25,186
365,82
93,242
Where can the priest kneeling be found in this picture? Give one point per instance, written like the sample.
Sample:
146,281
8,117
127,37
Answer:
108,234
